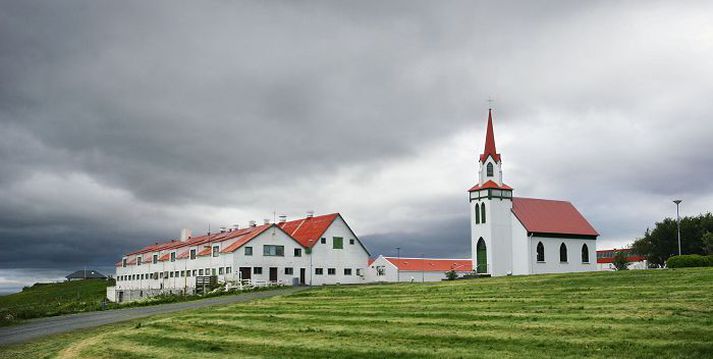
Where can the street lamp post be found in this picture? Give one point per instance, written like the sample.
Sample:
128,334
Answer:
678,225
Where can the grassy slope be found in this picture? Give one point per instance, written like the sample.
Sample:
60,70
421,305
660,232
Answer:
53,299
667,313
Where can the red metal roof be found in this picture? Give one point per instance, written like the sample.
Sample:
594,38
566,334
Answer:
490,141
551,217
204,252
490,184
630,257
308,230
246,238
431,264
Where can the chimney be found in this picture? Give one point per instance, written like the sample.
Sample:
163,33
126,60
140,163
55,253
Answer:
266,221
185,234
283,218
310,214
252,223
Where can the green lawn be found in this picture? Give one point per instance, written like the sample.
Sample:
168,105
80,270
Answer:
42,300
632,314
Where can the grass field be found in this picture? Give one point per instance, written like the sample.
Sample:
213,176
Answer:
634,314
42,300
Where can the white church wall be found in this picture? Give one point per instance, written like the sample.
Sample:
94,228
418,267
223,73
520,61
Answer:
552,262
521,260
497,234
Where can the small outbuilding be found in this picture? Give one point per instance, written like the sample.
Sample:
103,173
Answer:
392,269
85,274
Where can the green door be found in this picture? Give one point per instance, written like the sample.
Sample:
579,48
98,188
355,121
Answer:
481,257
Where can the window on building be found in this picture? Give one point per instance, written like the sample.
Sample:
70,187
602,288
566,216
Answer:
482,212
298,252
228,270
351,241
331,271
215,251
138,261
563,252
257,270
213,272
200,271
540,252
176,274
193,253
347,271
477,213
358,272
188,273
289,271
337,243
123,262
195,271
273,251
248,251
585,253
319,271
221,270
173,256
183,273
154,260
171,274
323,240
380,270
489,168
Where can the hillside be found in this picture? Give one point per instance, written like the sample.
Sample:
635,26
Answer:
656,313
42,300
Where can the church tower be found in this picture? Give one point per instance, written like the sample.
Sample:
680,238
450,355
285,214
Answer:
491,212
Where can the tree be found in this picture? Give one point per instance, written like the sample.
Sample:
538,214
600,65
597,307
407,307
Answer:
659,244
620,261
708,243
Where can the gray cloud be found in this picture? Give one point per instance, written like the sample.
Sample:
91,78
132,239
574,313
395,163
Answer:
122,123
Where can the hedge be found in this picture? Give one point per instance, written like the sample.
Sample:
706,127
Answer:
690,260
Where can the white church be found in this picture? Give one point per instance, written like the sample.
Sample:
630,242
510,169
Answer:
515,235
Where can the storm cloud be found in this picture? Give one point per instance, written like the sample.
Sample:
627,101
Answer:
123,122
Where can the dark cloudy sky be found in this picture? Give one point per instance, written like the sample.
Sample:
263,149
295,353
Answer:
122,122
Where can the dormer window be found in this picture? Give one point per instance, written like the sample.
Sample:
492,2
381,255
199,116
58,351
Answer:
215,251
193,253
155,259
173,256
138,261
489,169
123,262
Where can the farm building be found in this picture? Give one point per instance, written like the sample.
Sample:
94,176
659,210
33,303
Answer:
314,250
85,274
514,235
605,259
393,269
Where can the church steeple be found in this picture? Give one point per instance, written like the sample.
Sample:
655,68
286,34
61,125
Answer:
490,141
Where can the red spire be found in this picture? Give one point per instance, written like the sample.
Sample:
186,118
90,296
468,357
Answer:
490,141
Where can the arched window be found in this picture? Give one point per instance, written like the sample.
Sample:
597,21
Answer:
563,252
585,253
490,169
540,252
477,213
482,213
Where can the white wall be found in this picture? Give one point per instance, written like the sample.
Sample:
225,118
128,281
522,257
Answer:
552,262
392,274
497,233
521,259
352,256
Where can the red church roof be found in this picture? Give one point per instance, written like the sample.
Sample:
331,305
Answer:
431,264
490,184
490,141
551,217
308,230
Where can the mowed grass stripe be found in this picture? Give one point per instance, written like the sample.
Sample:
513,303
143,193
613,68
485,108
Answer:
661,313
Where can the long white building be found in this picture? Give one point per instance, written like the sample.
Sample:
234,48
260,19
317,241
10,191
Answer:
314,250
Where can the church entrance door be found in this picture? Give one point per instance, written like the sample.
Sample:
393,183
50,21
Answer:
481,257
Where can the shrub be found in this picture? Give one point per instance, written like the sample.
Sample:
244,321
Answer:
451,275
690,260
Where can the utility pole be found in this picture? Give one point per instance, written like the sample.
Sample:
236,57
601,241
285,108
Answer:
678,225
398,272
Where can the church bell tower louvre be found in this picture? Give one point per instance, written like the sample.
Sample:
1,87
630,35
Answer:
490,212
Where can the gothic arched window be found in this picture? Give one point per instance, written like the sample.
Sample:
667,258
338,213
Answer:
585,253
490,169
477,213
482,213
540,252
563,252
